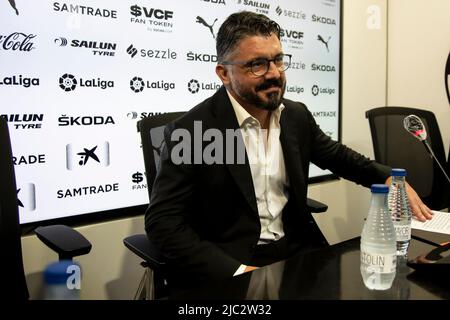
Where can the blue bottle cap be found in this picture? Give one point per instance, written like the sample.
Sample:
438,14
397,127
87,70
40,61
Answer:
398,172
379,188
56,273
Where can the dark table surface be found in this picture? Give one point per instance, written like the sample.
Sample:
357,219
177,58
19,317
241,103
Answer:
334,273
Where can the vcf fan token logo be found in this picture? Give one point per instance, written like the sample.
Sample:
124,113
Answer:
13,5
137,84
193,86
26,197
81,156
68,82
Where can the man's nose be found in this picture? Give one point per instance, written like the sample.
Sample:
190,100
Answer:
273,71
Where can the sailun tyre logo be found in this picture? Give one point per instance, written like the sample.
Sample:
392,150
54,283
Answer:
68,82
193,86
137,84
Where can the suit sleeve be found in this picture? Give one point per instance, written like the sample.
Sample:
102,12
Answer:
342,160
167,220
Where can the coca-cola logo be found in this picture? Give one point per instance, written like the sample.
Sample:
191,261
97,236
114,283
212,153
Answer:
17,41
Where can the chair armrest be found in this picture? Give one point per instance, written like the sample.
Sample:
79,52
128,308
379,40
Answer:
67,242
316,206
142,247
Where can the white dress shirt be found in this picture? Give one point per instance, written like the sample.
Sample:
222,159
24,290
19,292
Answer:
267,168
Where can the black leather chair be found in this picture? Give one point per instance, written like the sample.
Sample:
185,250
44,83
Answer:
67,242
153,284
396,147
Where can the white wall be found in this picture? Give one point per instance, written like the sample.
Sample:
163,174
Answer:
419,43
418,36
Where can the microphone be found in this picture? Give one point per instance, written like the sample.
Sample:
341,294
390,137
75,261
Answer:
414,125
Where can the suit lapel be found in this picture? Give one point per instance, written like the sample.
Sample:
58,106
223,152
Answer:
226,119
290,143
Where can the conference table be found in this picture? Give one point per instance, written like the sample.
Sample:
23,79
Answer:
334,273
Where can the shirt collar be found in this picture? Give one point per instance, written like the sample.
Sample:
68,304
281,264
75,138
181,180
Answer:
242,115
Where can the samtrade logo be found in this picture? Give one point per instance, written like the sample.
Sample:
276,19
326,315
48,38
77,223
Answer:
13,5
29,159
320,38
84,10
137,84
67,82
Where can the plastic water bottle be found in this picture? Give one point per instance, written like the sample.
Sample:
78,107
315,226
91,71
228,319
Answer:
62,281
400,210
378,246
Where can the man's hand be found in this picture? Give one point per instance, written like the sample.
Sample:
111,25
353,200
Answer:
419,210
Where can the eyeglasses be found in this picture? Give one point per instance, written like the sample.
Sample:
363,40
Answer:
261,66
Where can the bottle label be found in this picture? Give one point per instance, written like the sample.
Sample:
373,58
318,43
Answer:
379,263
402,233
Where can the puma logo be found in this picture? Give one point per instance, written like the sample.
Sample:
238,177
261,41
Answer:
210,27
13,5
319,37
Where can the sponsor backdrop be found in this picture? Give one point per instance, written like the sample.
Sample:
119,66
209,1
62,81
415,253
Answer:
76,76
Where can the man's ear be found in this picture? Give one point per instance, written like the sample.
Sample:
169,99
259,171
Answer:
223,74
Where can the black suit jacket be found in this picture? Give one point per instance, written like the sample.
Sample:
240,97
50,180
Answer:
204,218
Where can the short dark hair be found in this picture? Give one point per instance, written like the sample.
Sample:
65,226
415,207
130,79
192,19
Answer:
240,25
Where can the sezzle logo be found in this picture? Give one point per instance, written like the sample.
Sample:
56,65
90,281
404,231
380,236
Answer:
194,86
297,65
137,178
202,57
323,68
68,82
260,7
19,81
291,14
132,115
167,54
157,18
323,20
98,48
17,41
26,197
65,121
137,84
84,10
315,90
24,121
29,159
295,89
215,1
87,156
204,23
88,190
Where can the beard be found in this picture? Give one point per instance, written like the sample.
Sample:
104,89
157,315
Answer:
273,99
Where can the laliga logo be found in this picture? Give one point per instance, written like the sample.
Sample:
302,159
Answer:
67,82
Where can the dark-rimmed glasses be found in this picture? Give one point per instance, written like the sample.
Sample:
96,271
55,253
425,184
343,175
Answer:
261,66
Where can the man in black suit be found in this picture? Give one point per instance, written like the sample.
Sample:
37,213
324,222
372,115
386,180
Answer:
216,220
